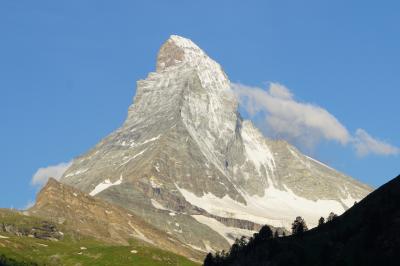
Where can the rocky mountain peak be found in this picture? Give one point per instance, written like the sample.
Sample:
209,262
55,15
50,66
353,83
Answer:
190,87
186,162
180,56
177,50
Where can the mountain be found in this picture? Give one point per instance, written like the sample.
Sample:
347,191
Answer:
186,162
366,234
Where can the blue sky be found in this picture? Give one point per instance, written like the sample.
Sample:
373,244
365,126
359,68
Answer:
68,71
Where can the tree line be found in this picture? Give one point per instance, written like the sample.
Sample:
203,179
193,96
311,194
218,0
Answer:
250,245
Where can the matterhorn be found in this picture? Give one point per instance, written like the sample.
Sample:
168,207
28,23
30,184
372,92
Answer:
186,162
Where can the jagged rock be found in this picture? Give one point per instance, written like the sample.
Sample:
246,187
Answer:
46,231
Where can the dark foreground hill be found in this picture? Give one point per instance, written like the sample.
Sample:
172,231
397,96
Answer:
367,234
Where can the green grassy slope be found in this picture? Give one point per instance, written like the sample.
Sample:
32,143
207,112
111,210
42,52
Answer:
74,249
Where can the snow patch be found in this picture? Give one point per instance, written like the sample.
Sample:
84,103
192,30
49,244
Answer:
318,162
196,248
158,205
349,201
294,153
139,234
105,185
133,157
208,247
150,140
256,149
80,171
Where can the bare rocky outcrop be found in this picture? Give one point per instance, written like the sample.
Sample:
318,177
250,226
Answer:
88,216
46,230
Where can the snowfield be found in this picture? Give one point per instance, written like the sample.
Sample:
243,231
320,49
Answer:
276,207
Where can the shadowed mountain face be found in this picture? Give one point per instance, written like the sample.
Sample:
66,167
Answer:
186,162
367,234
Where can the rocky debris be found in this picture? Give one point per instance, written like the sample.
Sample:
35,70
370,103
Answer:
46,230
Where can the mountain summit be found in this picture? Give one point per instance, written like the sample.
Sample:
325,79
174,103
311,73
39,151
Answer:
177,50
186,162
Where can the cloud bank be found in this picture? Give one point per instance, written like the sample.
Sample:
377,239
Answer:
303,123
43,174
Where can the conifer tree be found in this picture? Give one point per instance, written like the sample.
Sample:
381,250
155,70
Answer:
331,217
209,260
299,226
321,221
265,233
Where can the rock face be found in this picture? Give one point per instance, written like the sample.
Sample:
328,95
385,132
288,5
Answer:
88,216
16,226
185,157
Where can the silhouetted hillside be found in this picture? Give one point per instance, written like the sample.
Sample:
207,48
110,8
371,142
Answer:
367,234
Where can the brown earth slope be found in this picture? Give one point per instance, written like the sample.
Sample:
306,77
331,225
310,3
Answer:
93,217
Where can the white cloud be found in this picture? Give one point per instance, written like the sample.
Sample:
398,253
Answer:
365,144
303,123
280,91
288,118
43,174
